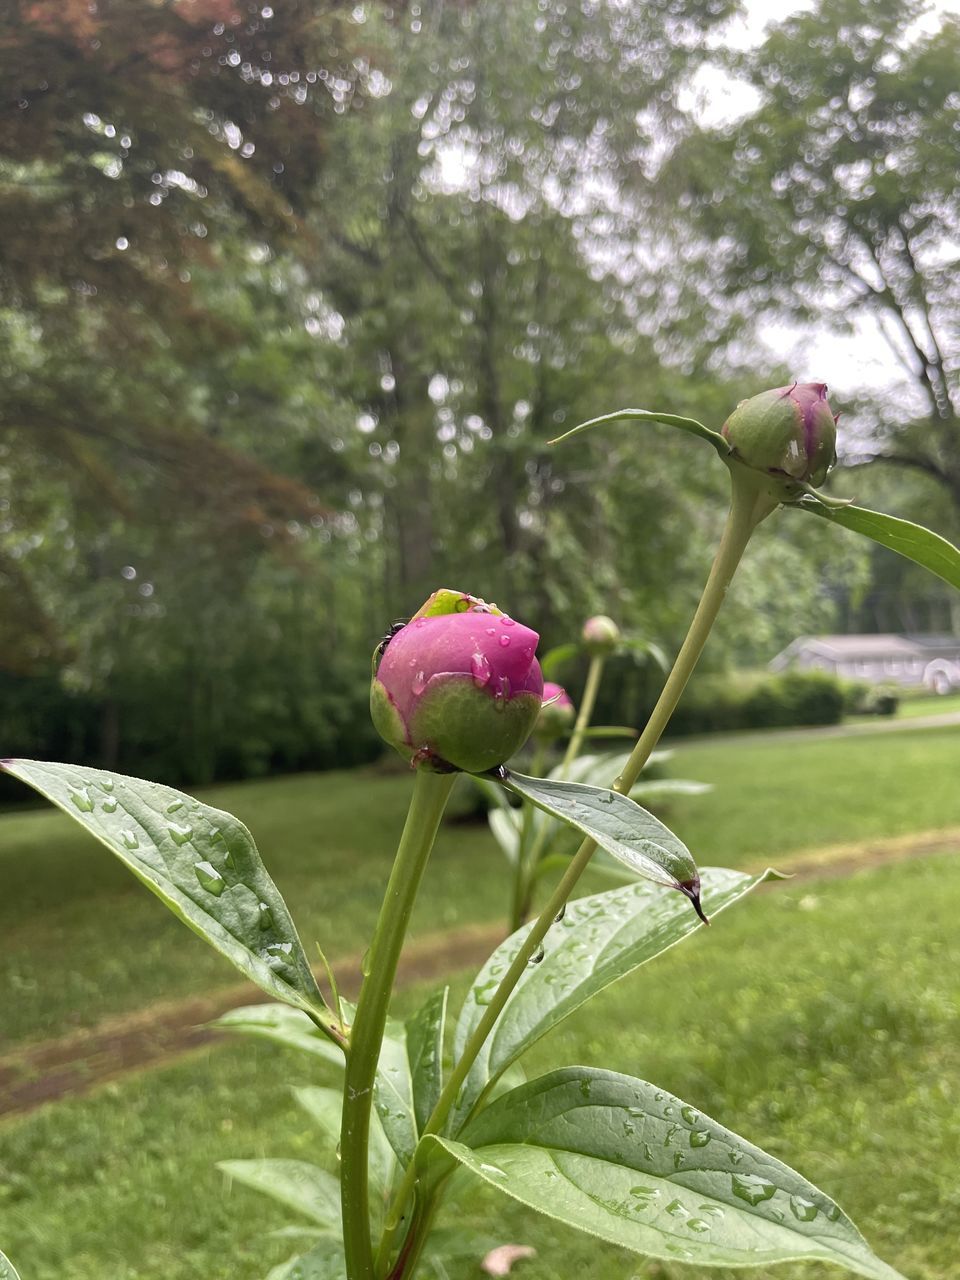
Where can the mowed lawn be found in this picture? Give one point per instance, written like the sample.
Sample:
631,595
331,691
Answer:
84,941
819,1019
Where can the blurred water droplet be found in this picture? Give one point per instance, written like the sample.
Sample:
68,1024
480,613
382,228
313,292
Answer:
747,1186
833,1213
110,805
560,914
689,1114
266,915
180,835
81,798
698,1224
507,622
484,994
480,670
504,641
175,807
699,1138
493,1170
210,878
106,784
130,839
365,963
585,1088
676,1210
419,683
804,1210
537,956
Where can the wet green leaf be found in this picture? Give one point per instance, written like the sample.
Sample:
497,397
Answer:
295,1183
283,1025
200,862
630,1163
618,824
425,1054
325,1261
7,1269
600,940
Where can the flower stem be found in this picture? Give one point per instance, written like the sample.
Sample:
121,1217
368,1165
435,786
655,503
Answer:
753,499
749,505
590,690
430,794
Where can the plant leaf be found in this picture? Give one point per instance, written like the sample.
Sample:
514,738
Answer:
325,1107
7,1269
393,1093
619,825
922,546
504,829
325,1261
295,1183
632,1164
651,415
202,863
425,1054
557,657
283,1025
602,939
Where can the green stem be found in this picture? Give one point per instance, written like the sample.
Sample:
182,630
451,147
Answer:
430,794
530,863
752,500
587,702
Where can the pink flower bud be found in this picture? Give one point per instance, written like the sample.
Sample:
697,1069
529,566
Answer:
459,689
789,431
557,714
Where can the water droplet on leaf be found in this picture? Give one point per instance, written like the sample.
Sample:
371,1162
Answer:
210,878
81,798
747,1186
180,835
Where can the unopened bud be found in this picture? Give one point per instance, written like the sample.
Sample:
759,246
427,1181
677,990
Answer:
789,431
600,636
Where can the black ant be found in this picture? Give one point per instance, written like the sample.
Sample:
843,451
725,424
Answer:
392,631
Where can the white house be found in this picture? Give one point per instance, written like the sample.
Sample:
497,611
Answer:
930,661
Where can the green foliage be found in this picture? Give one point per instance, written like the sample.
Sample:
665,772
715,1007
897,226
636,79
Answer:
602,938
636,1166
200,862
721,704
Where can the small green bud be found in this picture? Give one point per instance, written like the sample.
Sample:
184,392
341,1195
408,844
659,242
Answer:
789,431
600,636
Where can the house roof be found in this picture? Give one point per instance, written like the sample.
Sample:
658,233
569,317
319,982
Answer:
870,648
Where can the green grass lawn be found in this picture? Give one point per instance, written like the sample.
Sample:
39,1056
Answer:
818,1019
83,940
927,704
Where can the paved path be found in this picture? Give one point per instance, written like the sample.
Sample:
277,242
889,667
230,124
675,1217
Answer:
74,1064
946,720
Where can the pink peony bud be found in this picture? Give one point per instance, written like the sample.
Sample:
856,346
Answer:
788,431
600,636
459,689
557,713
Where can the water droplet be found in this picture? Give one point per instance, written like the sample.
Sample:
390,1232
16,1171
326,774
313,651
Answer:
560,914
698,1224
751,1188
266,915
180,835
711,1211
537,956
420,623
484,994
106,784
81,798
278,954
365,963
130,839
419,683
675,1209
585,1088
491,631
110,804
689,1114
210,878
229,860
645,1194
504,642
507,622
699,1138
804,1210
480,670
833,1213
493,1170
734,1156
678,1160
175,806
